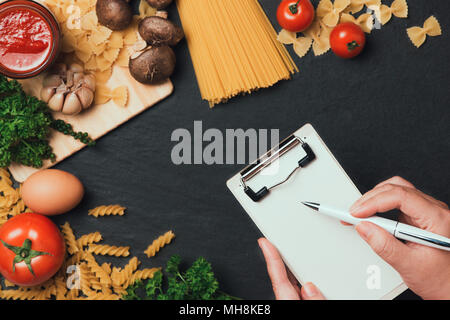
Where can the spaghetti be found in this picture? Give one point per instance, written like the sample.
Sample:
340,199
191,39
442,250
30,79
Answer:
233,46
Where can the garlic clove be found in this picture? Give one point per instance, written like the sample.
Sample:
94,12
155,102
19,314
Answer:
75,67
86,97
78,77
89,81
56,102
47,93
72,104
69,78
62,89
53,80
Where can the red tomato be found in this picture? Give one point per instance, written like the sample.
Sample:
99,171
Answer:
347,40
31,249
295,15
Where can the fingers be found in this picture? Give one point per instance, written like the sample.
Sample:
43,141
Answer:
293,280
398,181
402,182
386,246
310,292
390,184
282,287
389,197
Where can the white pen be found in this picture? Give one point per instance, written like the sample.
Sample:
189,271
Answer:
397,229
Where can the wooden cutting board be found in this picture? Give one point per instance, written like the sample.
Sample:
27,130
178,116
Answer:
99,119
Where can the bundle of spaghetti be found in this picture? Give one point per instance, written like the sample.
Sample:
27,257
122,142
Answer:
233,46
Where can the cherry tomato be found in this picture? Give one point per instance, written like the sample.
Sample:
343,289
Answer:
347,40
295,15
31,249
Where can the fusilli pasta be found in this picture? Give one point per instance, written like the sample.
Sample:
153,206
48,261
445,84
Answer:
159,243
88,239
111,210
69,237
109,250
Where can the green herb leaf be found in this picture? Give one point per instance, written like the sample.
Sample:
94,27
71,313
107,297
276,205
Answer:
25,124
153,285
197,283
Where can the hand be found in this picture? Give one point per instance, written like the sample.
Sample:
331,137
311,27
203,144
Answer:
284,284
425,270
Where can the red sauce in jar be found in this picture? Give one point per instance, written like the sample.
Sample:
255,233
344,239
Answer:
25,40
30,38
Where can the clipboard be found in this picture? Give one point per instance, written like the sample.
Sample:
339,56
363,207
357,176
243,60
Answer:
316,248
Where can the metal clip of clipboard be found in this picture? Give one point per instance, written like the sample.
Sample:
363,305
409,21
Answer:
268,158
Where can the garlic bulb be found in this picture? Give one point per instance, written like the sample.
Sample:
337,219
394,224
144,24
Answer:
68,89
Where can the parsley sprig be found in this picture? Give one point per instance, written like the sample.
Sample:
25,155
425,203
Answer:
198,282
25,123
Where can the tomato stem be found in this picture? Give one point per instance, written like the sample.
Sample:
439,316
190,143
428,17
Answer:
294,7
352,45
24,253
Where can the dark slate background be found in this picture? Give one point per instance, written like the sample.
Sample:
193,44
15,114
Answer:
385,113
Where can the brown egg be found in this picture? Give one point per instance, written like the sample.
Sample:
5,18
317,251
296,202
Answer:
51,192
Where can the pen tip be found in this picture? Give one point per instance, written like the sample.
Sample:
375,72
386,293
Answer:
312,205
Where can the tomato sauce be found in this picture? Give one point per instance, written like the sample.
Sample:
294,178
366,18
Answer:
25,40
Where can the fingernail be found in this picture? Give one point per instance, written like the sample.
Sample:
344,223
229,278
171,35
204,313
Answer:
364,229
310,289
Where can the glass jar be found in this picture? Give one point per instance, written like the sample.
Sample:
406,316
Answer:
30,38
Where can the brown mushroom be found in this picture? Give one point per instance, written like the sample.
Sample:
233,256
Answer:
157,31
154,65
159,4
114,14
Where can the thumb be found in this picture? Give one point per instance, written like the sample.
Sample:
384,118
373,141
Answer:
391,250
310,292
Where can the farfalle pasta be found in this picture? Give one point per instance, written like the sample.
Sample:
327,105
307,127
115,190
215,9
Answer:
398,8
320,34
365,21
301,44
357,5
330,12
418,35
